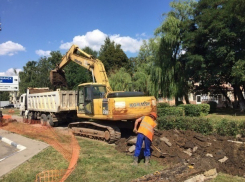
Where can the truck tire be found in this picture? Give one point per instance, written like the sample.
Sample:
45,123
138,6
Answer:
50,121
43,119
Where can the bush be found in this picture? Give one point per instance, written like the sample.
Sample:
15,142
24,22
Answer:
170,111
213,106
197,124
205,108
227,128
202,125
192,109
241,128
162,105
166,122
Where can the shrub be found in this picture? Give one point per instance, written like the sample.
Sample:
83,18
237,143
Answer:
170,111
227,128
213,106
192,109
205,108
197,124
241,128
166,122
202,125
162,105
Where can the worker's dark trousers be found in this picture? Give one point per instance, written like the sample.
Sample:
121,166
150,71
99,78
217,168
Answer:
140,139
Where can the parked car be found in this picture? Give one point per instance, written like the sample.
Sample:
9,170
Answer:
8,106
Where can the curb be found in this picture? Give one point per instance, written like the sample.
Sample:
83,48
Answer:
18,146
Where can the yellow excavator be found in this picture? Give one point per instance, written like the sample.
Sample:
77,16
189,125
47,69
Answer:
103,112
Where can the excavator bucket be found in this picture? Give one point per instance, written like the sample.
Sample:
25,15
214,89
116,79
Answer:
57,78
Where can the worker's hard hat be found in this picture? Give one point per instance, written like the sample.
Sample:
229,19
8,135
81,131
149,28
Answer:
154,114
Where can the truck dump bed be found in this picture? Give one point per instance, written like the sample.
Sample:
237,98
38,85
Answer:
55,101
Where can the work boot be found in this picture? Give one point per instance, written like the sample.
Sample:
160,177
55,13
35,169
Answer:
147,160
135,162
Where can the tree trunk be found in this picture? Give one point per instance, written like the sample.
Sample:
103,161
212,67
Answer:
235,97
225,95
187,99
240,98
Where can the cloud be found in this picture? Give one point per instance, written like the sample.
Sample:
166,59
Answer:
95,39
43,53
10,48
10,72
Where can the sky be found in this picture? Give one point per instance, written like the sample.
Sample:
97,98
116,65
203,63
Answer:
33,28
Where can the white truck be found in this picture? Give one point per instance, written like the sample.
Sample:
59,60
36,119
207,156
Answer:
51,107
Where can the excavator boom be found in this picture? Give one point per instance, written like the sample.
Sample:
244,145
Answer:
85,60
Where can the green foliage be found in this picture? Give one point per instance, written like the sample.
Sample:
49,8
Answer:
121,80
192,109
76,75
241,127
216,44
113,56
4,96
170,111
213,106
226,127
169,73
205,108
143,64
200,125
163,104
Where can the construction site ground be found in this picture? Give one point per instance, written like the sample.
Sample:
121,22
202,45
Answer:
185,154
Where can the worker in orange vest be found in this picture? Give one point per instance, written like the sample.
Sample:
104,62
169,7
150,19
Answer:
144,133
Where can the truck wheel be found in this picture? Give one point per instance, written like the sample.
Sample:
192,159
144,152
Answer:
43,119
50,121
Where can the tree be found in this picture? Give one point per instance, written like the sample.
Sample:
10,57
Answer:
142,79
4,96
28,78
112,56
121,80
216,50
169,74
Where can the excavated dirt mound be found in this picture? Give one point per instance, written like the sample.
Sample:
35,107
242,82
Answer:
198,152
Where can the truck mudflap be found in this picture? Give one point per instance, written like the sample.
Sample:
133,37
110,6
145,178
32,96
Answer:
108,133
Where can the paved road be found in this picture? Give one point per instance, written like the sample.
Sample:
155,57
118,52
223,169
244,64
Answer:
6,150
33,147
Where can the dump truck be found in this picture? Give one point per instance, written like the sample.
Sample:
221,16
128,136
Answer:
51,107
103,113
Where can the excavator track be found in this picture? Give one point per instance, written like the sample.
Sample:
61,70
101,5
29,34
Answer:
108,133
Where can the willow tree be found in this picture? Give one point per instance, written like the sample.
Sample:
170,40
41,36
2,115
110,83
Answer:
120,80
169,73
147,56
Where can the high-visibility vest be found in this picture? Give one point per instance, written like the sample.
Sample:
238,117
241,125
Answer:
146,127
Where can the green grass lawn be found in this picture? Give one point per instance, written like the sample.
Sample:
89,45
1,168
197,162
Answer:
48,159
99,161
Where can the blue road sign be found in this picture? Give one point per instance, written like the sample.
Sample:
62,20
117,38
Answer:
6,79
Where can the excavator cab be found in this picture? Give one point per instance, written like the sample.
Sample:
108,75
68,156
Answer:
86,94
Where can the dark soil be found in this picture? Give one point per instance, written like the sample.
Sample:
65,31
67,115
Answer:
194,151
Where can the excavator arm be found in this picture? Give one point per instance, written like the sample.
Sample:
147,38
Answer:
85,60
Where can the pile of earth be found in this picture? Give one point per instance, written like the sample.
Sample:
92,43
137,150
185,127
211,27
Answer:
198,152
